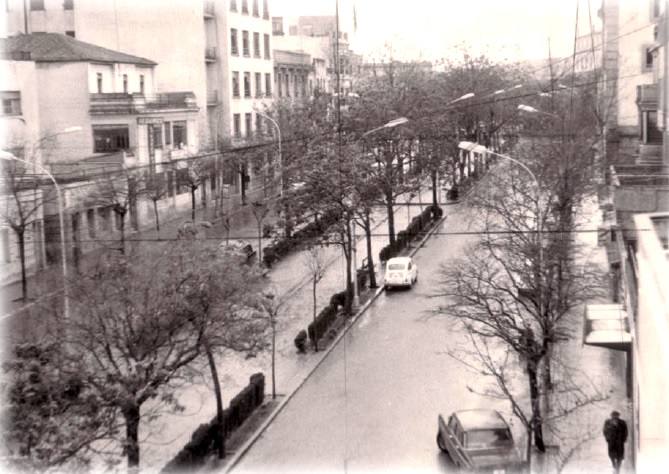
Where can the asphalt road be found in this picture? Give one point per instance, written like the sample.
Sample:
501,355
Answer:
372,405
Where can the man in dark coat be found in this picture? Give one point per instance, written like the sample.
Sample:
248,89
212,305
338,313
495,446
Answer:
615,433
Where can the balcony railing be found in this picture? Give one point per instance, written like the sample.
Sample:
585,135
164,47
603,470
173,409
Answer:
129,104
210,53
647,96
640,175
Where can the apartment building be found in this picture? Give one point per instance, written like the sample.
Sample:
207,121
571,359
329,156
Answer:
99,113
635,201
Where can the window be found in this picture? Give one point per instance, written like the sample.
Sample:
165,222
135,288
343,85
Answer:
236,125
110,138
247,84
156,131
245,43
233,5
235,84
90,220
256,12
256,45
268,84
141,83
5,247
99,82
125,83
248,119
259,129
11,102
234,47
267,55
265,10
70,33
167,126
245,6
258,81
68,4
647,59
36,5
179,134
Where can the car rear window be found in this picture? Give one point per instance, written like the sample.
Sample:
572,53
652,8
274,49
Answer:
487,438
396,266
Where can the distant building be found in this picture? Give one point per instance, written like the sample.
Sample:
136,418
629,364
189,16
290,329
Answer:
588,53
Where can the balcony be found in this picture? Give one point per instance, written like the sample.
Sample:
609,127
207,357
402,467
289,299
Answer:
210,54
638,189
133,104
647,96
209,8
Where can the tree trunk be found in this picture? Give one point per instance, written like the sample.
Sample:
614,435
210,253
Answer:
536,421
435,191
20,234
155,214
370,258
122,214
259,243
192,203
220,433
313,290
273,358
131,417
348,300
391,219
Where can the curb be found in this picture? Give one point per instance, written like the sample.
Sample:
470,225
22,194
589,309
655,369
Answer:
256,435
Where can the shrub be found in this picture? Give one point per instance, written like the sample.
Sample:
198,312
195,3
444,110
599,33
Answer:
362,278
323,321
436,211
338,299
301,341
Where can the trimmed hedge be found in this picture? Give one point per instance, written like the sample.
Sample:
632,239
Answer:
282,247
415,227
322,323
203,441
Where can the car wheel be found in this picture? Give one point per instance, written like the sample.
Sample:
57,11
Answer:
440,443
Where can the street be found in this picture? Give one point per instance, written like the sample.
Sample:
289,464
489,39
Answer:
373,403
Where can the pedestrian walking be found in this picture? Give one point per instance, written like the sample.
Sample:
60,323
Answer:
615,433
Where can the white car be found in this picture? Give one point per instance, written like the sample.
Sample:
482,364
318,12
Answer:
400,271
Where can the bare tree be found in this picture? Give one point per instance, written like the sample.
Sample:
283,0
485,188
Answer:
154,187
139,321
260,209
270,305
21,208
315,262
118,191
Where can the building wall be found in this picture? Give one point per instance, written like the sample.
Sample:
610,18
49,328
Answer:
169,33
240,63
636,27
20,130
652,364
53,19
64,103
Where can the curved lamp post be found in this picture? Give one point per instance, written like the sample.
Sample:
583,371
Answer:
278,132
356,292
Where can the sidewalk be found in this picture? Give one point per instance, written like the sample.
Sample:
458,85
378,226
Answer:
594,370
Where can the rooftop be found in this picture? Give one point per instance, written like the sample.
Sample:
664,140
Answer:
54,47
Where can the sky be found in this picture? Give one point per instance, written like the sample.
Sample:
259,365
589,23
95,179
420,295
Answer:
434,29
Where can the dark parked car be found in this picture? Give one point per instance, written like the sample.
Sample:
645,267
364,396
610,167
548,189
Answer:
479,440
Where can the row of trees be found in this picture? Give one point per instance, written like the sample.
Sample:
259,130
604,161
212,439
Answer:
515,288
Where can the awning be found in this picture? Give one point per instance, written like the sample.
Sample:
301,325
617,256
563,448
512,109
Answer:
606,325
470,146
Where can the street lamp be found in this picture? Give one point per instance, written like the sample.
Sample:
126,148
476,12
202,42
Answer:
278,131
469,95
354,254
